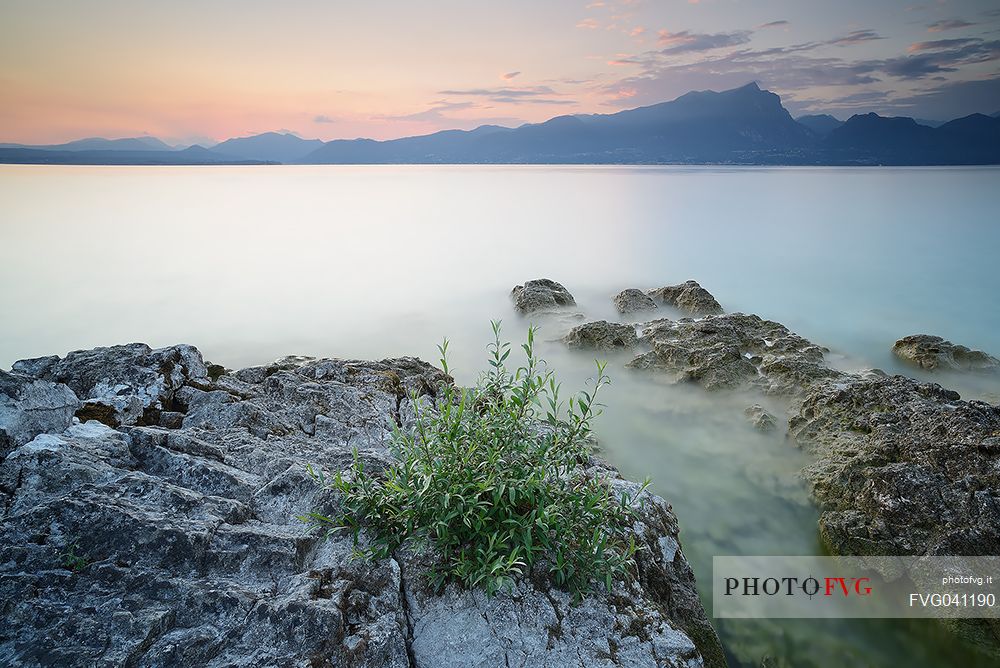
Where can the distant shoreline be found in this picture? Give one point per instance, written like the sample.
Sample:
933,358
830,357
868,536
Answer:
250,163
742,126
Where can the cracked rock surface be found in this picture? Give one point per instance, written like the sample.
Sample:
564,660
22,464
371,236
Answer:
541,294
601,335
688,296
159,528
721,351
934,352
902,467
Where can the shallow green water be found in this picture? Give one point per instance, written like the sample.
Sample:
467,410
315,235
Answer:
254,263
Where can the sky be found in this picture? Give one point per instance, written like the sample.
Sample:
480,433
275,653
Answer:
202,71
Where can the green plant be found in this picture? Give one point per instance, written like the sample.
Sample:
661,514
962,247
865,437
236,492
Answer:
495,480
72,561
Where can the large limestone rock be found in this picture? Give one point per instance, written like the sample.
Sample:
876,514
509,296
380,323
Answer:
601,335
122,385
29,407
731,350
902,467
933,352
149,545
633,300
540,295
905,468
689,297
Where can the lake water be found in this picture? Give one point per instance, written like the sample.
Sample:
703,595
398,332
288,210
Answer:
252,263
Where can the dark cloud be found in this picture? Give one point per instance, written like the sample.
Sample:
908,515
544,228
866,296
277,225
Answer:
509,75
946,55
948,24
435,113
950,100
915,67
772,24
855,37
520,92
940,44
439,114
322,118
865,97
686,41
514,95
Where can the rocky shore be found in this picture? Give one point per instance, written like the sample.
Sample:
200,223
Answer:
902,467
150,501
149,509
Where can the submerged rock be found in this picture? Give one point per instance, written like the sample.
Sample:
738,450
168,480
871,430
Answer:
146,545
760,418
933,352
601,335
540,295
633,300
731,350
689,297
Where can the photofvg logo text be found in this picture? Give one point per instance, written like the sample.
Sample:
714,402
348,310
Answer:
790,586
779,587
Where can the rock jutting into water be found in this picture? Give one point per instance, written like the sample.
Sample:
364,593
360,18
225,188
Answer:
933,352
540,295
601,335
163,530
689,297
732,350
633,300
902,467
760,418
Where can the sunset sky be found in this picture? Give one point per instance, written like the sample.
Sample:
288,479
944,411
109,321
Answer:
190,71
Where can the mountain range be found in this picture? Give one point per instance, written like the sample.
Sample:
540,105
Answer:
744,125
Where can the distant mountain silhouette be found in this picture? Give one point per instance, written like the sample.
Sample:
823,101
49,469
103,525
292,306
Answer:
821,124
740,125
874,139
193,155
745,126
272,146
101,144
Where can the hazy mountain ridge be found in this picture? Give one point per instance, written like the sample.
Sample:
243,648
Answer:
821,124
703,126
271,146
193,155
101,144
874,139
743,125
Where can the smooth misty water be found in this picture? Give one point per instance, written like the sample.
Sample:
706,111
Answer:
251,263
